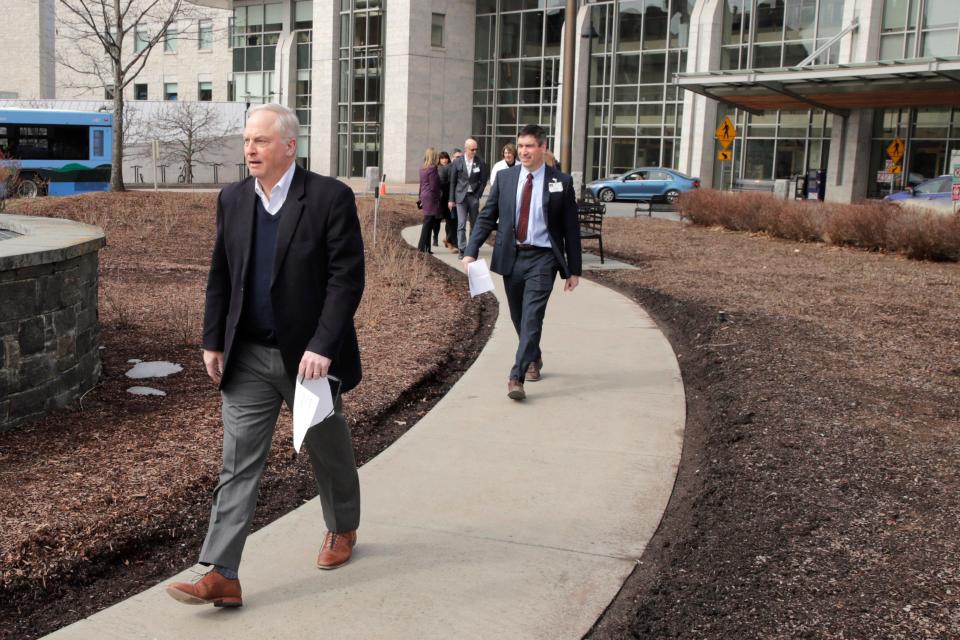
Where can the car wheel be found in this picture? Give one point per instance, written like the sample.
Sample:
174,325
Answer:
27,187
606,195
672,196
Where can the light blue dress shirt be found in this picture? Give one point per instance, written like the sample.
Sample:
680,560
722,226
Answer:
537,233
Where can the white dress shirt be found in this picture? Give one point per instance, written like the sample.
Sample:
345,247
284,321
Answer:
279,193
537,233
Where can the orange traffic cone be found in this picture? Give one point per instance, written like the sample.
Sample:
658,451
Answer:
383,188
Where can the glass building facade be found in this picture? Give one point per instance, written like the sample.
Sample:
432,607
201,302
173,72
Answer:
255,34
920,29
360,102
761,34
634,107
517,70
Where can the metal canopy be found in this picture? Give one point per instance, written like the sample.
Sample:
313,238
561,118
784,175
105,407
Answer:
924,82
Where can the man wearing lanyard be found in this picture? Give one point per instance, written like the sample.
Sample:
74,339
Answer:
534,209
468,177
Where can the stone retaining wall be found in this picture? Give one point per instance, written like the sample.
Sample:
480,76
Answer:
49,335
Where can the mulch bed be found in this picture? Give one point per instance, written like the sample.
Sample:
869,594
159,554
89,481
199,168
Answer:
111,494
819,494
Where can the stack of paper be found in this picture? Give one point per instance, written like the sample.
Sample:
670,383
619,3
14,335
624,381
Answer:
478,274
312,404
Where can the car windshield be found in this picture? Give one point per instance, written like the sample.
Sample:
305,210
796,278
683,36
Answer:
936,185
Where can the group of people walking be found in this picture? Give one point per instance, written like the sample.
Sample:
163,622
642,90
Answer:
450,193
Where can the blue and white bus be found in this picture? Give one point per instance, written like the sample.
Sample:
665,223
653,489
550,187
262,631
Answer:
60,152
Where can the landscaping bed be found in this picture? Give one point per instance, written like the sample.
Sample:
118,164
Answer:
819,494
112,494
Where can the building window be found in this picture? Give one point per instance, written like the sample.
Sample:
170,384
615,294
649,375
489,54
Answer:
170,39
205,91
139,91
436,30
205,35
517,71
256,31
108,92
303,15
140,39
360,102
170,91
919,29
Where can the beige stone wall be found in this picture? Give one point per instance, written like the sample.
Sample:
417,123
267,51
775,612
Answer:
26,31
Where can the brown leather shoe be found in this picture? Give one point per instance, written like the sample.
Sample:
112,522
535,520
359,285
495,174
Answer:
515,389
336,550
212,588
533,370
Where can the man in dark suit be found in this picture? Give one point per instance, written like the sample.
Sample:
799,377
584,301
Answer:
286,278
468,177
534,209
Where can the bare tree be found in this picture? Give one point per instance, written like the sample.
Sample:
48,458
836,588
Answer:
187,131
112,41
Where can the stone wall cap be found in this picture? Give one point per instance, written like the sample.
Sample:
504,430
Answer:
46,240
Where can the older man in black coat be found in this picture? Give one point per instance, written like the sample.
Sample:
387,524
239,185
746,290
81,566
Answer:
286,278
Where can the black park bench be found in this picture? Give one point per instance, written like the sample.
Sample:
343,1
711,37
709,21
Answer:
590,215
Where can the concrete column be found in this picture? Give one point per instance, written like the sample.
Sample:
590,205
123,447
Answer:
325,84
428,91
849,163
581,93
697,144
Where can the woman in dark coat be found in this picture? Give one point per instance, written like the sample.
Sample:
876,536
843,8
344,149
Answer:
450,217
429,197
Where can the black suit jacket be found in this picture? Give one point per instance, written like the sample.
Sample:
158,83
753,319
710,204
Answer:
560,209
460,180
317,280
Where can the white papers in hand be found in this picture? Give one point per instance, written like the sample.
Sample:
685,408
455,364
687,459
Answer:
312,404
478,275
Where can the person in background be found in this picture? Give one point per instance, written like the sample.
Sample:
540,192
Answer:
468,179
429,197
457,153
550,160
509,155
449,217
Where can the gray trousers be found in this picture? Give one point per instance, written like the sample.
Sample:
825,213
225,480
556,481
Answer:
466,210
252,396
528,288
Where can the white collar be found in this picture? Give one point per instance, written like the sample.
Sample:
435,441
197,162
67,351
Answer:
279,191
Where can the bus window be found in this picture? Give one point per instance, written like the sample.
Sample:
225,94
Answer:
98,142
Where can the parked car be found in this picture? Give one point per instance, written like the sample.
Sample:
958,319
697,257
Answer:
934,189
645,184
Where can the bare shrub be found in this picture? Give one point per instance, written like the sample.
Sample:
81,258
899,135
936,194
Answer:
871,225
116,308
923,235
183,314
402,269
865,225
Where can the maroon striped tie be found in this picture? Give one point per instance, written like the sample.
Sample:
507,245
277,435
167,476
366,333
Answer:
525,198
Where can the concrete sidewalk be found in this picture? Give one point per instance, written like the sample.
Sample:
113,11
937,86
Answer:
489,518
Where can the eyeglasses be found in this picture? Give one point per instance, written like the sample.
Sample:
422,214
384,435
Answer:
470,148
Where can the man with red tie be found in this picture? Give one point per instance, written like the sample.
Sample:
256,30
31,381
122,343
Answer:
534,209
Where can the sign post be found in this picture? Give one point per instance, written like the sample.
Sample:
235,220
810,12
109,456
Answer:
726,133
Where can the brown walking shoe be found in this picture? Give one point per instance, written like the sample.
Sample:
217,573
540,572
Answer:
336,550
212,588
533,370
515,389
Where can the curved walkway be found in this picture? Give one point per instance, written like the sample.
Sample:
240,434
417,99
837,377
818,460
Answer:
488,519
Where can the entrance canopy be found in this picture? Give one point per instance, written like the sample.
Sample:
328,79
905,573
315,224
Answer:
922,82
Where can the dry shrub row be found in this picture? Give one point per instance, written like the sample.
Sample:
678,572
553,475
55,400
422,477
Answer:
872,225
402,270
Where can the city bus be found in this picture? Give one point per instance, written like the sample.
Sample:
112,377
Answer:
58,152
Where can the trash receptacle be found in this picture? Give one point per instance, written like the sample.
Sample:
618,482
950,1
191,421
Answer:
372,174
800,187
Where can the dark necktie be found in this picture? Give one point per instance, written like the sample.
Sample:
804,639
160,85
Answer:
525,199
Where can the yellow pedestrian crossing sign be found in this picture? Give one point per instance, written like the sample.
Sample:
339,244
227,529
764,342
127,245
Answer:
895,150
726,132
724,154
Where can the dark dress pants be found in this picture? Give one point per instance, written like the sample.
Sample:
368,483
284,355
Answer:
258,384
528,288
